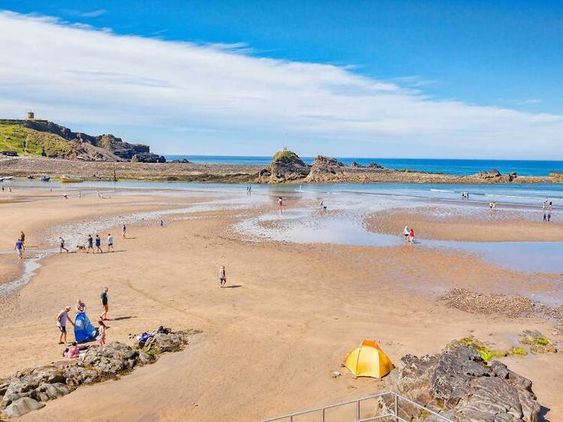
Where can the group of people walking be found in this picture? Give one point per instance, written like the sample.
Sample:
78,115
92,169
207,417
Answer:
95,244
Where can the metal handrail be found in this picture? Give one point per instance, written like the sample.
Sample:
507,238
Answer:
395,414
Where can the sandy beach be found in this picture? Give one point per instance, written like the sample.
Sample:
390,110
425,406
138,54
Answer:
292,312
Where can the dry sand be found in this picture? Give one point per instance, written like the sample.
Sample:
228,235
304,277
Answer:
271,341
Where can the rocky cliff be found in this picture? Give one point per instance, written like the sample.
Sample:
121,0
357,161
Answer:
42,137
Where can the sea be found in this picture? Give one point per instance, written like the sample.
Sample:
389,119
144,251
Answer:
460,167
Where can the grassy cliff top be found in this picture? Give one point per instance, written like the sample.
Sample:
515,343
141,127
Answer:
26,141
285,155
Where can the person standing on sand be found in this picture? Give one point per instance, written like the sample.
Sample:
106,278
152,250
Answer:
222,276
22,238
104,299
124,231
102,332
99,244
90,244
411,236
19,248
280,202
110,242
406,232
62,319
62,245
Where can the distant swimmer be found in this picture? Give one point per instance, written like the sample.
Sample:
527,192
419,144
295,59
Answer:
110,242
62,246
222,276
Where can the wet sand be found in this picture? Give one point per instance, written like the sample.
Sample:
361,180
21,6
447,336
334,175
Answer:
271,341
485,225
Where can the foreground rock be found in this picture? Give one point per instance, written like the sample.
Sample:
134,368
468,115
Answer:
29,389
461,386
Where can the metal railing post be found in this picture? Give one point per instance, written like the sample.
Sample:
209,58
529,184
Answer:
323,415
358,410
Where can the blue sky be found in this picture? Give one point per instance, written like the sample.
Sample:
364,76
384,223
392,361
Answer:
369,78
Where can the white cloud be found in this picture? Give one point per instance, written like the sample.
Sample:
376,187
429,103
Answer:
86,77
93,13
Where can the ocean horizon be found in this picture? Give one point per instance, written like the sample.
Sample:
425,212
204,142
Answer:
462,167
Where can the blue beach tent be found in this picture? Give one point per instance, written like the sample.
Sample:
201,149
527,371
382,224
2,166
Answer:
83,329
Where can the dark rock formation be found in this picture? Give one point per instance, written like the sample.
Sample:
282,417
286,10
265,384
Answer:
494,175
374,165
29,389
286,166
463,387
148,157
325,169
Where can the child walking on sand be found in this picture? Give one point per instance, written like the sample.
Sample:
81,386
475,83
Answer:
222,276
411,236
102,332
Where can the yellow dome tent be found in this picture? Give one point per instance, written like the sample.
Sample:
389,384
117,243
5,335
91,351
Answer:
368,360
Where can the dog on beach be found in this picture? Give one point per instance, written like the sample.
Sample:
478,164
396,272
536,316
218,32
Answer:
81,248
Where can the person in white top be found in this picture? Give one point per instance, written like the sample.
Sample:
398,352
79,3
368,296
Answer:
406,232
110,242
